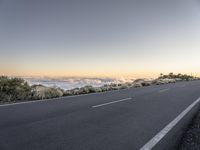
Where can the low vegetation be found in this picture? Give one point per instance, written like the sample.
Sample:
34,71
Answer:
177,77
17,89
14,89
42,92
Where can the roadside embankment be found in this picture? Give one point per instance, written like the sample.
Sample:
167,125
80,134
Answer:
191,137
17,89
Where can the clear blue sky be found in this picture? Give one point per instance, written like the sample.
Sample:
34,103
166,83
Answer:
99,37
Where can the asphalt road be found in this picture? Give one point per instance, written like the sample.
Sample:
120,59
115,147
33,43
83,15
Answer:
115,120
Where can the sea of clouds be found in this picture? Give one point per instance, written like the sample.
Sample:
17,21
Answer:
73,82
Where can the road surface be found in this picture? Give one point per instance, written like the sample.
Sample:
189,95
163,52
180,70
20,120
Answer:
116,120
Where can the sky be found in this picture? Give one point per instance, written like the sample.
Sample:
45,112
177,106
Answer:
99,38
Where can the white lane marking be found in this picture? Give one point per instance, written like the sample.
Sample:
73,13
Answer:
149,145
163,90
125,99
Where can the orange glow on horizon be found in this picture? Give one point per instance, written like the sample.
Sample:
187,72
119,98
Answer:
142,74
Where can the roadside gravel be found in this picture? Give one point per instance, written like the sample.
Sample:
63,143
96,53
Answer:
191,138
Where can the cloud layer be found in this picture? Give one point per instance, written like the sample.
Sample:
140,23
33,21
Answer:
70,82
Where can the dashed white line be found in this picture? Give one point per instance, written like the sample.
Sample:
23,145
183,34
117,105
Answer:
149,145
163,90
183,86
121,100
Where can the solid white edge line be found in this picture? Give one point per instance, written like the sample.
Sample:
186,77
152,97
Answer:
149,145
27,102
125,99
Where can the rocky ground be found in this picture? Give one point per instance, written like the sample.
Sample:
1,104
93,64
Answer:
191,138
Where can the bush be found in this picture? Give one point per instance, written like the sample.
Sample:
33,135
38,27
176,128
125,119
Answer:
98,89
163,81
13,89
42,92
87,89
177,76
